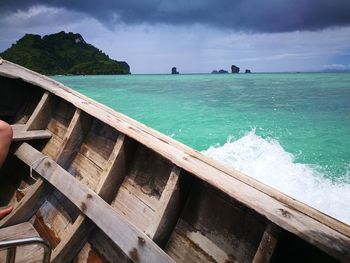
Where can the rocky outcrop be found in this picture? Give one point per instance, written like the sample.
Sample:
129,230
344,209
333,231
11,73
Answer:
247,71
174,70
221,71
234,69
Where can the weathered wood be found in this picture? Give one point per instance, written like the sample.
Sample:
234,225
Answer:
85,171
27,206
133,242
71,240
31,135
18,127
167,207
35,195
290,214
268,244
24,254
111,177
115,168
167,147
22,230
40,117
73,138
215,227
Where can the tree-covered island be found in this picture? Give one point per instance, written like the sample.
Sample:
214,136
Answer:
62,53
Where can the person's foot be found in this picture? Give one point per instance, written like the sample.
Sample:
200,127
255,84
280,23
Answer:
4,211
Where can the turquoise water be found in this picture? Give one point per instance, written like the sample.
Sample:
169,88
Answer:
301,121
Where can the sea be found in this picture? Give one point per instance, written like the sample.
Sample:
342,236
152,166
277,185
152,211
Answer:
290,131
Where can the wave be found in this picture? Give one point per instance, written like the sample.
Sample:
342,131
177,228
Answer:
267,161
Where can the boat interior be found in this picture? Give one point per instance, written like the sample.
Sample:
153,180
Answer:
169,210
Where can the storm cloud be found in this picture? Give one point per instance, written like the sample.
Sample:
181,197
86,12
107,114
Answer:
239,15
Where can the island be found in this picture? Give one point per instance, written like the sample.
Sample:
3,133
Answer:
174,71
234,69
221,71
62,54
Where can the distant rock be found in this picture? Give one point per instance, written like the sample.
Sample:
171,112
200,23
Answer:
174,70
62,54
248,71
221,71
234,69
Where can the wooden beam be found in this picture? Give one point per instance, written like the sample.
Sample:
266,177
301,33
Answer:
28,205
73,138
30,135
40,117
73,240
167,208
78,233
34,198
115,168
138,246
268,244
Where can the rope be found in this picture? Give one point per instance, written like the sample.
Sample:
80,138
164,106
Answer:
35,163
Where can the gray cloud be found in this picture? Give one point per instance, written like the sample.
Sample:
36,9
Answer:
241,15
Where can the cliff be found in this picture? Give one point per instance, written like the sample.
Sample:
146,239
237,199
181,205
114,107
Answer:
62,53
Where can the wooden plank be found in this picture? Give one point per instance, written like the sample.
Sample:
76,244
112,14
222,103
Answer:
76,234
64,153
217,227
111,177
166,207
99,142
72,241
31,135
133,242
27,206
268,244
24,254
40,117
133,208
52,146
73,138
34,198
179,241
22,230
252,193
57,127
18,127
115,168
85,171
51,220
106,248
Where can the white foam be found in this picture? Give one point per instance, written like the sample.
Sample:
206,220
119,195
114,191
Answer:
266,161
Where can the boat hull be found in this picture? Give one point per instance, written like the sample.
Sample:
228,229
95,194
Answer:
101,187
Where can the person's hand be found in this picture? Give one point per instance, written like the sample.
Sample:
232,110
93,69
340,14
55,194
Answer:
4,211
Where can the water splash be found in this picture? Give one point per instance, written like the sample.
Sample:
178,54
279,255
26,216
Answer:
267,161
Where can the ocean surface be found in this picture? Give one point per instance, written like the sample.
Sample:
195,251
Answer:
290,131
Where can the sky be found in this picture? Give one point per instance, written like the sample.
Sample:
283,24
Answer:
196,36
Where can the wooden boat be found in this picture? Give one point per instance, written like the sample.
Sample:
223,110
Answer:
101,187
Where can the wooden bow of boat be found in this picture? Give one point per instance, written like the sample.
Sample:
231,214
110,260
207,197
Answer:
109,189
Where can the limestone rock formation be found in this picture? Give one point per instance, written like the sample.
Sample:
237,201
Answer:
174,70
234,69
